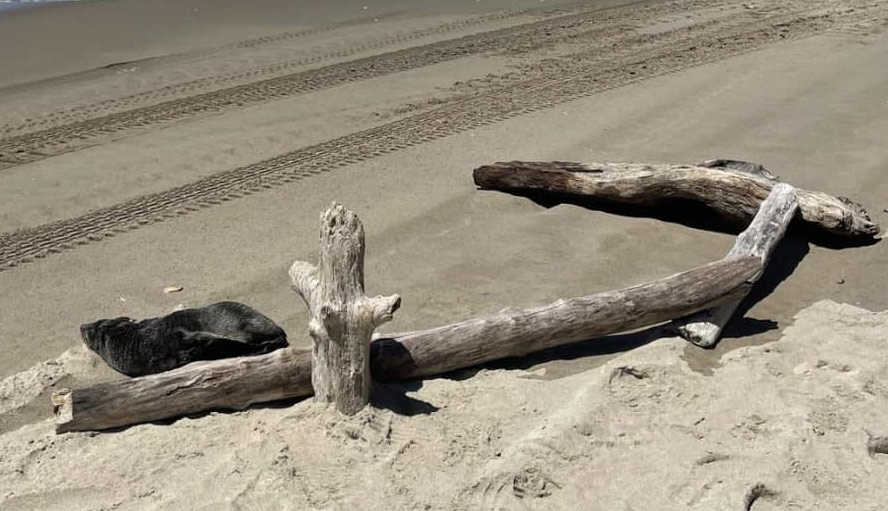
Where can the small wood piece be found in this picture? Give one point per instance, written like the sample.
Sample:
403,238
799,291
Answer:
733,194
342,317
758,240
286,373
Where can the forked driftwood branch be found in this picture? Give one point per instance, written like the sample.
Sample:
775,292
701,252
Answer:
733,191
758,240
239,382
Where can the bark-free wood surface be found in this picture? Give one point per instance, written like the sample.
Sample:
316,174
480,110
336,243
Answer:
233,384
734,194
343,318
758,240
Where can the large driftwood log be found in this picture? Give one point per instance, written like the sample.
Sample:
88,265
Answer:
732,193
758,240
233,384
342,317
239,382
516,332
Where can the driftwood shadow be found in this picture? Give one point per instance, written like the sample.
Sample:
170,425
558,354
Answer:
597,346
688,213
677,211
387,395
821,238
786,258
393,396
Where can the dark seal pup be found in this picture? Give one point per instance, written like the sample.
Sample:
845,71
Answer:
221,330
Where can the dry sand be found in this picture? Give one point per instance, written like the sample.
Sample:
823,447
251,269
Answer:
796,424
265,89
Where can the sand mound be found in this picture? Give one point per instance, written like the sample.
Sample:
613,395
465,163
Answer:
25,396
792,424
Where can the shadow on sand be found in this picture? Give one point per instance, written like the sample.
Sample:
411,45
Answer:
691,214
393,396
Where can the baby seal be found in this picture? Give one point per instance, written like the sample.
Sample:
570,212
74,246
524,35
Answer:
221,330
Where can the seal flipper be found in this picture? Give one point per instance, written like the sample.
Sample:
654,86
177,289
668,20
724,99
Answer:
267,346
209,346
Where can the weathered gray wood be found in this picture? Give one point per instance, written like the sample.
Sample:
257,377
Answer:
231,384
732,194
758,240
283,374
343,318
516,332
749,167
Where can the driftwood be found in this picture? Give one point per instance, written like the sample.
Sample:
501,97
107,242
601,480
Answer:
758,240
342,317
732,191
239,382
232,383
516,332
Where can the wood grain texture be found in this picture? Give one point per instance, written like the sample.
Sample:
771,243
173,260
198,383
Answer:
232,384
342,317
734,195
758,240
516,332
238,382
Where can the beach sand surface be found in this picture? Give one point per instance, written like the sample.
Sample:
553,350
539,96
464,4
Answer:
387,110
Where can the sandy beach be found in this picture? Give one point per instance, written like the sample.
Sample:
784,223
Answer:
130,153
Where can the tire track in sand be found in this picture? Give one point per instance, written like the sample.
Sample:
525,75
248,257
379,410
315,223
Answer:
191,87
56,140
682,49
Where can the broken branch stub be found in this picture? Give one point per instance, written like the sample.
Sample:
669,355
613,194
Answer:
343,318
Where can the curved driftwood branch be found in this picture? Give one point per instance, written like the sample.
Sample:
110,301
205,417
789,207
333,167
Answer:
733,192
238,382
758,240
342,317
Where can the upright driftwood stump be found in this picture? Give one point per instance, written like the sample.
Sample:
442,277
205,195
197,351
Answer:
343,318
